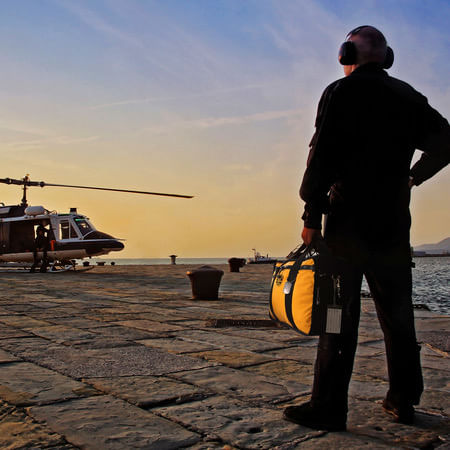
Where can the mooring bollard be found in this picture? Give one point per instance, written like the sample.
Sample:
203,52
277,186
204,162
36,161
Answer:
236,264
205,282
173,259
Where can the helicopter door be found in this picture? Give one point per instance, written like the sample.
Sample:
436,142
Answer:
66,230
4,237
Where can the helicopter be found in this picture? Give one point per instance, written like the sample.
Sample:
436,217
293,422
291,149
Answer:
71,235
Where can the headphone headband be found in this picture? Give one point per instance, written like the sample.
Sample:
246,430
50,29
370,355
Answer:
355,31
348,51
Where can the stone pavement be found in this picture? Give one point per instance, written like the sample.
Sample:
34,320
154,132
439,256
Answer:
122,357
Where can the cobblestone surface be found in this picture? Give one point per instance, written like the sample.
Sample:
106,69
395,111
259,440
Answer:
123,357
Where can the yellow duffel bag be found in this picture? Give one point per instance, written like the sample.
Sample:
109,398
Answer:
305,293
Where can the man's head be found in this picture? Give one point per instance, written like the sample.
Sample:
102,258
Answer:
41,230
363,45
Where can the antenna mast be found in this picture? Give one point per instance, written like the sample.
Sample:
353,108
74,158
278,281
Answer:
25,180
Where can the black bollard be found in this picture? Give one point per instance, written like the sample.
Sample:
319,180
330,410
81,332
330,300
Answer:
205,282
236,263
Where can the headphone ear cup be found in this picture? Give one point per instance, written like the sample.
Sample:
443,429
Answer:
389,58
347,53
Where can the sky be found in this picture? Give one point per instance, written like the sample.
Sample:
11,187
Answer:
211,98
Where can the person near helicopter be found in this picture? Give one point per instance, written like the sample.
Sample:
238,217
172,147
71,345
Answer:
41,244
358,173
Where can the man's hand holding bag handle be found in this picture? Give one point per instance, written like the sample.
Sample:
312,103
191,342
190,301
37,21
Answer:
306,289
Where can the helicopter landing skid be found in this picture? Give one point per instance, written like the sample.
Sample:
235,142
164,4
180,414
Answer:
54,267
61,266
66,266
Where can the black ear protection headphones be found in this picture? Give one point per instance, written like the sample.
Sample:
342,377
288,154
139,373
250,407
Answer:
348,51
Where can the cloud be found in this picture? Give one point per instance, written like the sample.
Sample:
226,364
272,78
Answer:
301,28
238,167
202,94
99,24
212,122
33,144
22,128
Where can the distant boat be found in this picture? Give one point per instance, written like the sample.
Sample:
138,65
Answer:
259,259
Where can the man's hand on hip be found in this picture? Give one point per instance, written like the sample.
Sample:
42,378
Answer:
310,235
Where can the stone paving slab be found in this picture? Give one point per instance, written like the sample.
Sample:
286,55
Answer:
23,321
435,401
368,419
302,353
368,388
111,316
198,324
6,357
105,422
235,359
284,369
60,333
266,334
121,361
335,441
436,379
224,341
236,422
5,312
98,342
179,346
433,324
438,339
435,362
79,322
128,308
238,383
369,351
60,312
149,325
7,332
429,350
23,308
45,304
24,384
27,347
148,391
375,366
20,431
124,332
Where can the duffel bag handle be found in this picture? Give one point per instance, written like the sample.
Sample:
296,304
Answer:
298,251
318,246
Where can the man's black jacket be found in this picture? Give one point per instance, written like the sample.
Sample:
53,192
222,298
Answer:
41,241
368,126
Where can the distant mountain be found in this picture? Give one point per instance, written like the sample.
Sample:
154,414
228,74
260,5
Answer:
440,247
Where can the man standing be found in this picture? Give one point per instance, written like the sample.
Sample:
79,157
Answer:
41,244
368,126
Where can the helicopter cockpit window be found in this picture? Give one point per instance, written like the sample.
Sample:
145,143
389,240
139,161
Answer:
66,230
83,225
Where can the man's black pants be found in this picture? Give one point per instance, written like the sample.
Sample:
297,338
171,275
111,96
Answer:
388,273
36,259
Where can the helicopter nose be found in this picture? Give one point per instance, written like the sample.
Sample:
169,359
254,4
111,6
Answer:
116,245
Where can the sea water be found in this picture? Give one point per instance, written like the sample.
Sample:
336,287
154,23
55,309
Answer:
431,277
431,283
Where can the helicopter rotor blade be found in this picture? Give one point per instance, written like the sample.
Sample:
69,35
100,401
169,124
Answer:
42,184
22,182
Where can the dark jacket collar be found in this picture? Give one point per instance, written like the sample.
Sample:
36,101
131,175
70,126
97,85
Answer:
371,67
